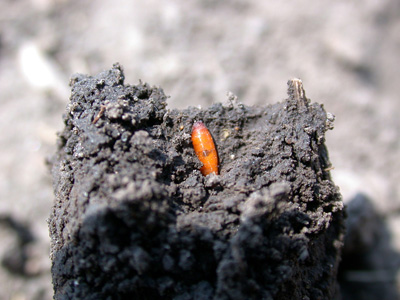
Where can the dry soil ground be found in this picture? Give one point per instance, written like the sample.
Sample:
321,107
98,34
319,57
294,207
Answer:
345,52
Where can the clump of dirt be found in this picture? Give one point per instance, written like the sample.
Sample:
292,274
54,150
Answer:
369,264
135,219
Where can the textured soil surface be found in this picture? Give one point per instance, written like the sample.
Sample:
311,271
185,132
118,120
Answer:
135,219
346,54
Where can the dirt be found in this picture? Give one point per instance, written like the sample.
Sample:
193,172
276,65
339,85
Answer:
135,218
347,57
368,269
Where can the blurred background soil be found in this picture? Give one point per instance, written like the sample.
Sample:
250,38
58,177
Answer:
346,53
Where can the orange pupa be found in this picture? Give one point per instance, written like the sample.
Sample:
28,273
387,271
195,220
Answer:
204,148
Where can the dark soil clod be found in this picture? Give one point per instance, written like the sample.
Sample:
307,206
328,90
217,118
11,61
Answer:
135,219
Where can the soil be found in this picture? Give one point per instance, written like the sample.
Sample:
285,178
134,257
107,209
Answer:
346,55
368,268
135,218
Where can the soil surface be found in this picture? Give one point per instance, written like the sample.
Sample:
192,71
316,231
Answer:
135,218
346,54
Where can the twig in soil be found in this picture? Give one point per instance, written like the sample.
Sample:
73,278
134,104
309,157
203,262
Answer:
296,91
98,116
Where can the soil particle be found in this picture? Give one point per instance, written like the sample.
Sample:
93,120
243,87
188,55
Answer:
135,219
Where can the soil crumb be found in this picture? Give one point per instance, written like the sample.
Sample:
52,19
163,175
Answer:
134,218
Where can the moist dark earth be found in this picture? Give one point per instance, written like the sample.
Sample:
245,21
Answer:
134,218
